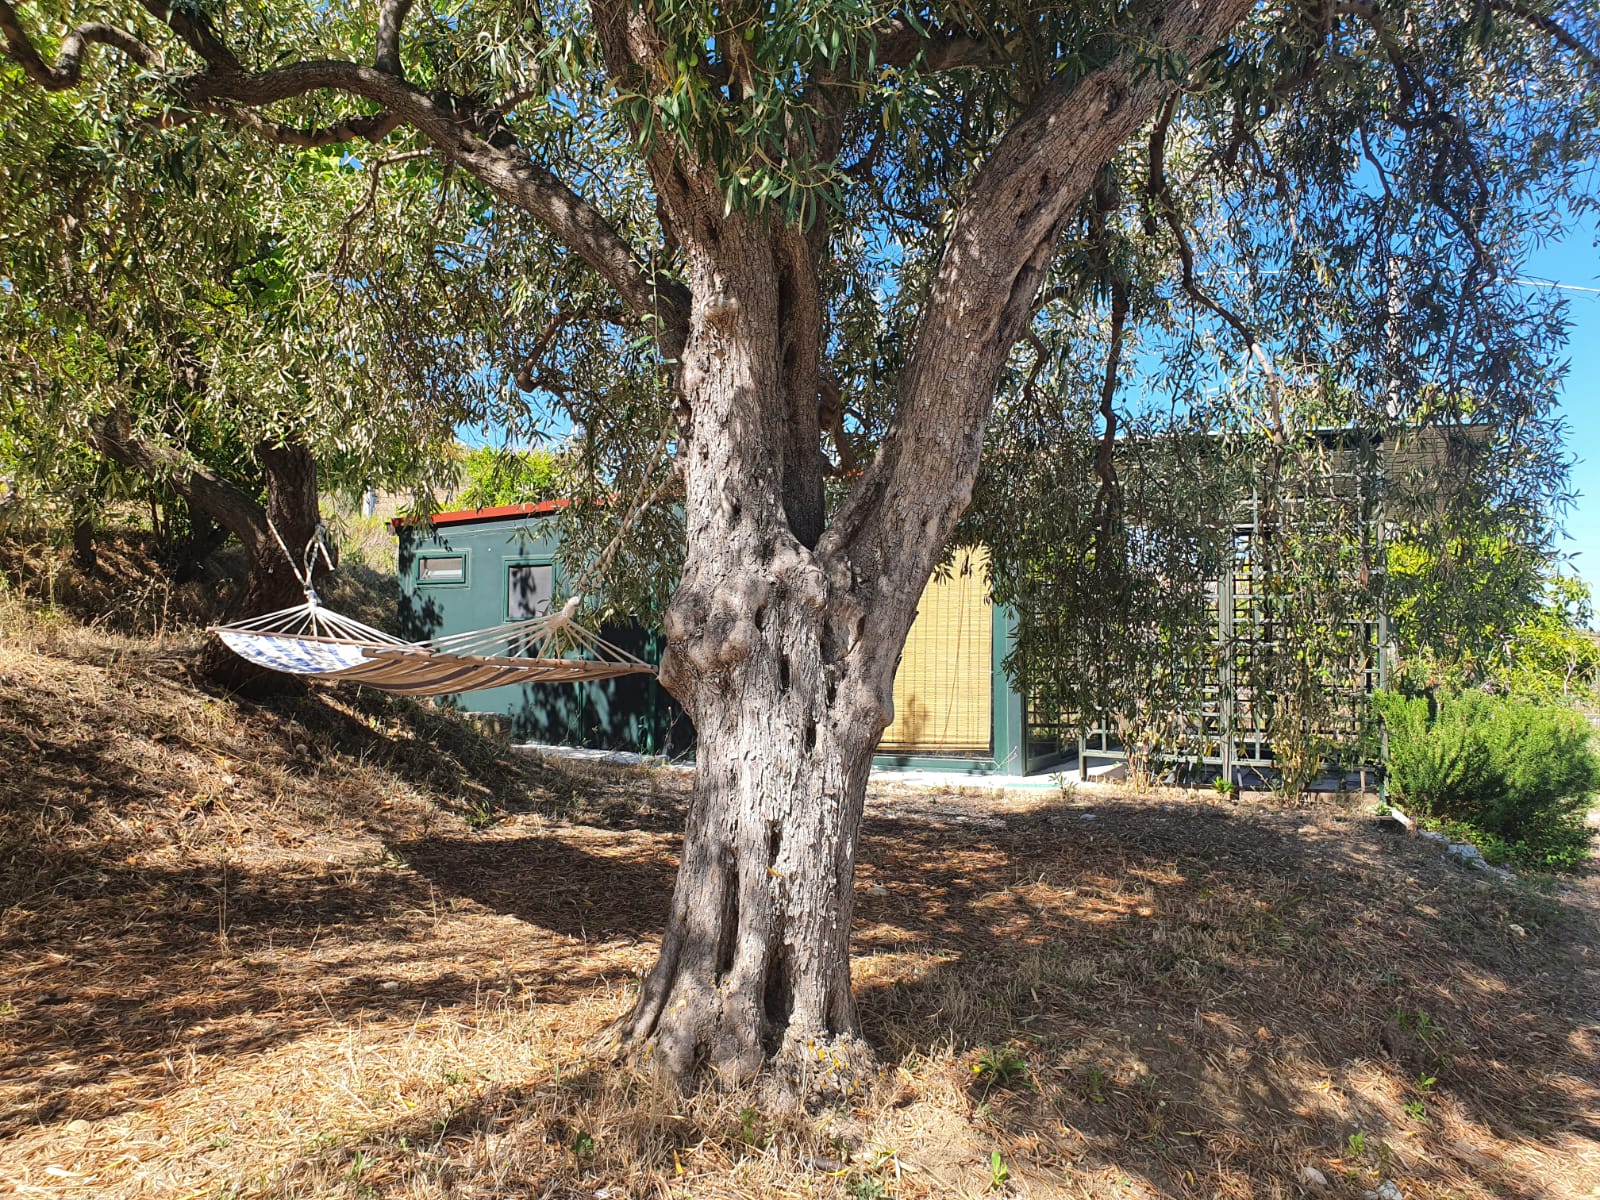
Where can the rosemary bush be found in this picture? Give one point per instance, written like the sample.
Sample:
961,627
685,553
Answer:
1513,774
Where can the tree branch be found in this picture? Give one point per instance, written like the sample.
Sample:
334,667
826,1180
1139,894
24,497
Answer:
1430,116
1160,203
995,258
372,127
391,16
529,373
1105,461
224,503
1162,206
1549,25
193,27
68,69
367,201
468,136
899,44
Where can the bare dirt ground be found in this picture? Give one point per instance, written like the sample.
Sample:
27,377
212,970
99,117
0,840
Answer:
342,946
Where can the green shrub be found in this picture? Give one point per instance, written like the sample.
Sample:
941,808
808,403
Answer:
1514,774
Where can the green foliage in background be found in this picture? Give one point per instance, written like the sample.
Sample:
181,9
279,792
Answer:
219,294
1517,775
1554,653
493,478
1492,615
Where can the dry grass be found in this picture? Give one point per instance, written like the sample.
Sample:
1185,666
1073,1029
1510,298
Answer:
131,590
127,592
345,947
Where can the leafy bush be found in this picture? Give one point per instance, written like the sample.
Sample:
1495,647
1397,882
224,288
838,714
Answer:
1514,773
498,477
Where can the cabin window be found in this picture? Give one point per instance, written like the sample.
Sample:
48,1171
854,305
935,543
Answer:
442,568
528,588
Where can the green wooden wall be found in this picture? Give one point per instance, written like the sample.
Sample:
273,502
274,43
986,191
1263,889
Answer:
633,713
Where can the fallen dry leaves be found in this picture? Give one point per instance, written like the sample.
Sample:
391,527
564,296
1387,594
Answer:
343,946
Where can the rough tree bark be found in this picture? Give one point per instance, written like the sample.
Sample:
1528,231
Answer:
765,654
784,636
292,508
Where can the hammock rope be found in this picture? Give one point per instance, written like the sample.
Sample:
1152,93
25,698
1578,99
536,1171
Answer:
310,639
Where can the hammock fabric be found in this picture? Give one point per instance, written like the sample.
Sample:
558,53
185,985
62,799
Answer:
310,640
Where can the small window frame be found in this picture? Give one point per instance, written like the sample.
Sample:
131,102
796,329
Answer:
466,569
508,565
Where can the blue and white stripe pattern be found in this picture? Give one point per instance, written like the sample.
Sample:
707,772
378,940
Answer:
310,640
297,655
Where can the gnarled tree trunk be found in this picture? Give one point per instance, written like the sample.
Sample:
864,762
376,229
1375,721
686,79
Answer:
292,509
755,961
788,701
290,473
785,632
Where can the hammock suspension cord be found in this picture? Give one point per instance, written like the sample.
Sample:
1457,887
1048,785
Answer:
310,639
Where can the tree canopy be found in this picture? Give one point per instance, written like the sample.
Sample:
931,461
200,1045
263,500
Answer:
805,250
1330,203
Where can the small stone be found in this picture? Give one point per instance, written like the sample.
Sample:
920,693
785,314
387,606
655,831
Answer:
1387,1190
1433,835
1517,931
1312,1177
389,986
1465,851
877,889
817,1162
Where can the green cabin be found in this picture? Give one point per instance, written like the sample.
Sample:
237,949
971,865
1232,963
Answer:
955,709
482,568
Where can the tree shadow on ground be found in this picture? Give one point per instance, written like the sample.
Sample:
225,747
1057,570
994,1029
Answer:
1205,998
599,1129
1199,1003
610,888
183,878
1182,982
132,968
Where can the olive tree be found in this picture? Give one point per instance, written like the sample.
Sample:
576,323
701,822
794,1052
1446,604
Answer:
831,223
162,310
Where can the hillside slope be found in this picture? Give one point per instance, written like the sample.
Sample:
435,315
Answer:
344,946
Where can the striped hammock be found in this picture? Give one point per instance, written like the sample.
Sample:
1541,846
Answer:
310,640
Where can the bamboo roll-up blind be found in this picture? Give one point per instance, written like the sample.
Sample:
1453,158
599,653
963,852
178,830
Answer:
943,698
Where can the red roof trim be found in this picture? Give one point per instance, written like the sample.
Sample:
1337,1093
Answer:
531,508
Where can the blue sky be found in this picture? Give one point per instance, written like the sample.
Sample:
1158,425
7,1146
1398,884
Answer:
1574,261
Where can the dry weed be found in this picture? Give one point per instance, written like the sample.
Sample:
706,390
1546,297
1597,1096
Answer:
347,947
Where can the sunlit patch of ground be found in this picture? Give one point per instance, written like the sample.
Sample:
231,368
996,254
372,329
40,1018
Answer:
343,947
